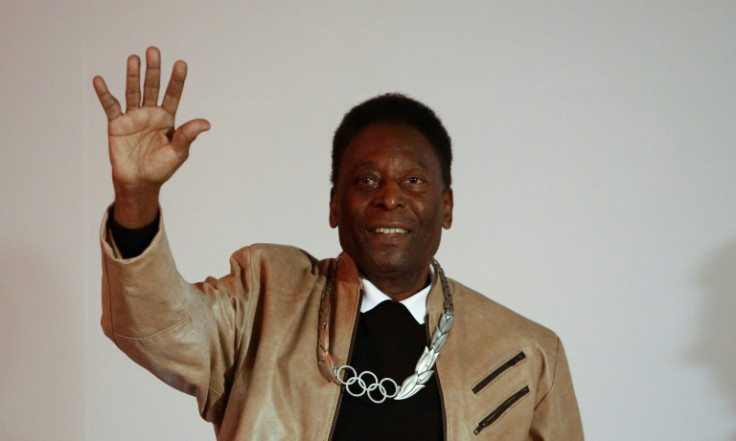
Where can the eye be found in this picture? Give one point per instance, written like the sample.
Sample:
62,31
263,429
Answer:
367,182
414,180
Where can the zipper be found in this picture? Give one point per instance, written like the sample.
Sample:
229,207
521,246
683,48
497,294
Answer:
501,369
350,356
496,414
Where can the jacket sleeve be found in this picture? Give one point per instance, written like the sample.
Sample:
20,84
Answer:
189,336
556,416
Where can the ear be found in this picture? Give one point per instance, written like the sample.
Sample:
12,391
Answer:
447,204
334,211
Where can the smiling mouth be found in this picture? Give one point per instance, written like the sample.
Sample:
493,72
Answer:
390,231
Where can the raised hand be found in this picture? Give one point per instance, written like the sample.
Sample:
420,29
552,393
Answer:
145,147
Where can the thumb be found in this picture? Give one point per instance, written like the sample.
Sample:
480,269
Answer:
188,132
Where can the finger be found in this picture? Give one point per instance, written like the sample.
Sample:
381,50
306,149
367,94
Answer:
153,77
110,105
133,83
175,87
187,133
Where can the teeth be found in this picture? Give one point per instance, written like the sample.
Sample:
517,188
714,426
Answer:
391,230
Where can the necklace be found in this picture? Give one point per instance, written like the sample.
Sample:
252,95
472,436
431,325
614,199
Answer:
367,383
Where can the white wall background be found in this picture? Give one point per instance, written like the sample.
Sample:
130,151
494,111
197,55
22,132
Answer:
595,184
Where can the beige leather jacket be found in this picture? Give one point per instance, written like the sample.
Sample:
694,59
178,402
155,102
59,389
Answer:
245,346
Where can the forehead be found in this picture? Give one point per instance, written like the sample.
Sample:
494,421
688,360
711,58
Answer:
384,143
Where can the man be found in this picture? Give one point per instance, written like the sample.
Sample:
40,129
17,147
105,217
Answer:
376,344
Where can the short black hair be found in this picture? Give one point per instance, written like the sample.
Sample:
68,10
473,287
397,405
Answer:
394,108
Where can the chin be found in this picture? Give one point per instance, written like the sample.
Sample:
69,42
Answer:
391,263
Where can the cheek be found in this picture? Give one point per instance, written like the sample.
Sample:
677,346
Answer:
352,208
431,211
344,220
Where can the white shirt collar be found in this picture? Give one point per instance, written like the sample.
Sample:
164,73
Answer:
416,304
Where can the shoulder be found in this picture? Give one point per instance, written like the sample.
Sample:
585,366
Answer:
276,270
273,257
486,317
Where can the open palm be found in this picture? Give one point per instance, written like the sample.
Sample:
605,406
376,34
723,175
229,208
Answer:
145,146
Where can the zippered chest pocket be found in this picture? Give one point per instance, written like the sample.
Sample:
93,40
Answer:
496,414
509,401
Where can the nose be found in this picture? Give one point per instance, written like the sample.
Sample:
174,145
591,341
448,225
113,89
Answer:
389,195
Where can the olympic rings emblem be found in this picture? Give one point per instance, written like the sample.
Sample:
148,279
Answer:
366,386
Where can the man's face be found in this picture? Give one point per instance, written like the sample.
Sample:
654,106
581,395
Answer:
389,202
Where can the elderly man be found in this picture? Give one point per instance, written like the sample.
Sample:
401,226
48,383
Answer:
376,344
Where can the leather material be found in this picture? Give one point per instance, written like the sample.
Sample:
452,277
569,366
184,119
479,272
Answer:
245,346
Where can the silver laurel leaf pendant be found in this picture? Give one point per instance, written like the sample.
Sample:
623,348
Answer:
425,361
424,377
409,387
